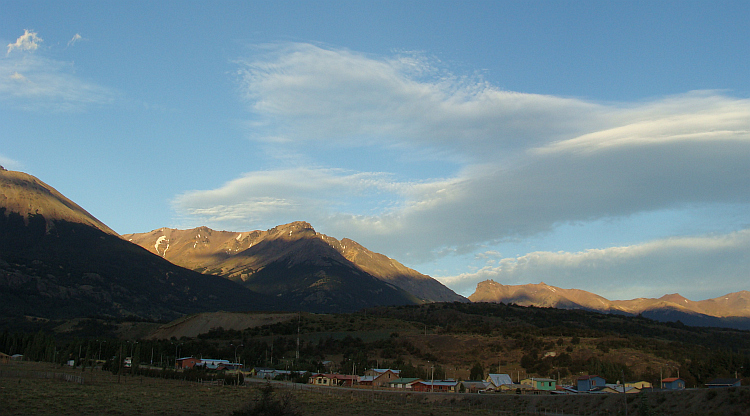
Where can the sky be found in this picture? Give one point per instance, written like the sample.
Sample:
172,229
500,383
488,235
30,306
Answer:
597,145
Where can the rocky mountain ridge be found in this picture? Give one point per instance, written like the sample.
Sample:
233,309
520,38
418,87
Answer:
239,255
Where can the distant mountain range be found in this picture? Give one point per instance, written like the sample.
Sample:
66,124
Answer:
57,260
729,311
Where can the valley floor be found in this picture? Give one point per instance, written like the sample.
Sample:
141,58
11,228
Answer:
22,392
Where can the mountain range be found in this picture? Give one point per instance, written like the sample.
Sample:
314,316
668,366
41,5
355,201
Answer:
248,258
731,310
57,260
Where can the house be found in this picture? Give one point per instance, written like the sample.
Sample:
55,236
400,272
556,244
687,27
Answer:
673,383
4,358
286,374
212,363
437,386
498,380
365,380
187,362
724,382
543,384
618,388
589,383
474,386
379,377
565,390
321,379
403,383
515,388
229,366
263,372
640,385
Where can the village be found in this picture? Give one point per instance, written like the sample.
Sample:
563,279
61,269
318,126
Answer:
390,379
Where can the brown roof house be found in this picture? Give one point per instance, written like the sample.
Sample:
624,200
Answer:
379,377
321,379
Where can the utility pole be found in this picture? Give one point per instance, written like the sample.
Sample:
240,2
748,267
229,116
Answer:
119,364
299,318
433,378
622,374
236,368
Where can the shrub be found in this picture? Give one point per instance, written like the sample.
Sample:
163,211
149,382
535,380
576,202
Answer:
269,404
711,394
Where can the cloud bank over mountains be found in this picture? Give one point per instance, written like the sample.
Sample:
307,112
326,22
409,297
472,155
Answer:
419,162
524,164
701,266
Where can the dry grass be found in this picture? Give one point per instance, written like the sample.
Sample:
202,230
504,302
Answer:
103,395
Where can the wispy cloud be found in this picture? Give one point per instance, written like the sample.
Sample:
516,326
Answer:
9,163
352,99
649,269
527,162
277,196
29,41
35,82
76,38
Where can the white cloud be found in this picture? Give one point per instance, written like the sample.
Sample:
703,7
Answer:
347,98
528,162
650,269
269,198
33,82
29,41
9,163
76,38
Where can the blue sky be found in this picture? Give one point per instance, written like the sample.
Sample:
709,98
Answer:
595,145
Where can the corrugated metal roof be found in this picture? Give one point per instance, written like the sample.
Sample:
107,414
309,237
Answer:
499,379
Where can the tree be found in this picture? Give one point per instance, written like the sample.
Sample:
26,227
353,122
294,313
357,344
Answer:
477,372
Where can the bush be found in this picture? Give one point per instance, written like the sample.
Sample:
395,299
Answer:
233,378
711,394
269,404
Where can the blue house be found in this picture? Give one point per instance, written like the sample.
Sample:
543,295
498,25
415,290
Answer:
673,383
588,383
724,382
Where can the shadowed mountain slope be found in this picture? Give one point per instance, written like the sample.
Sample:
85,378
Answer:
57,261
